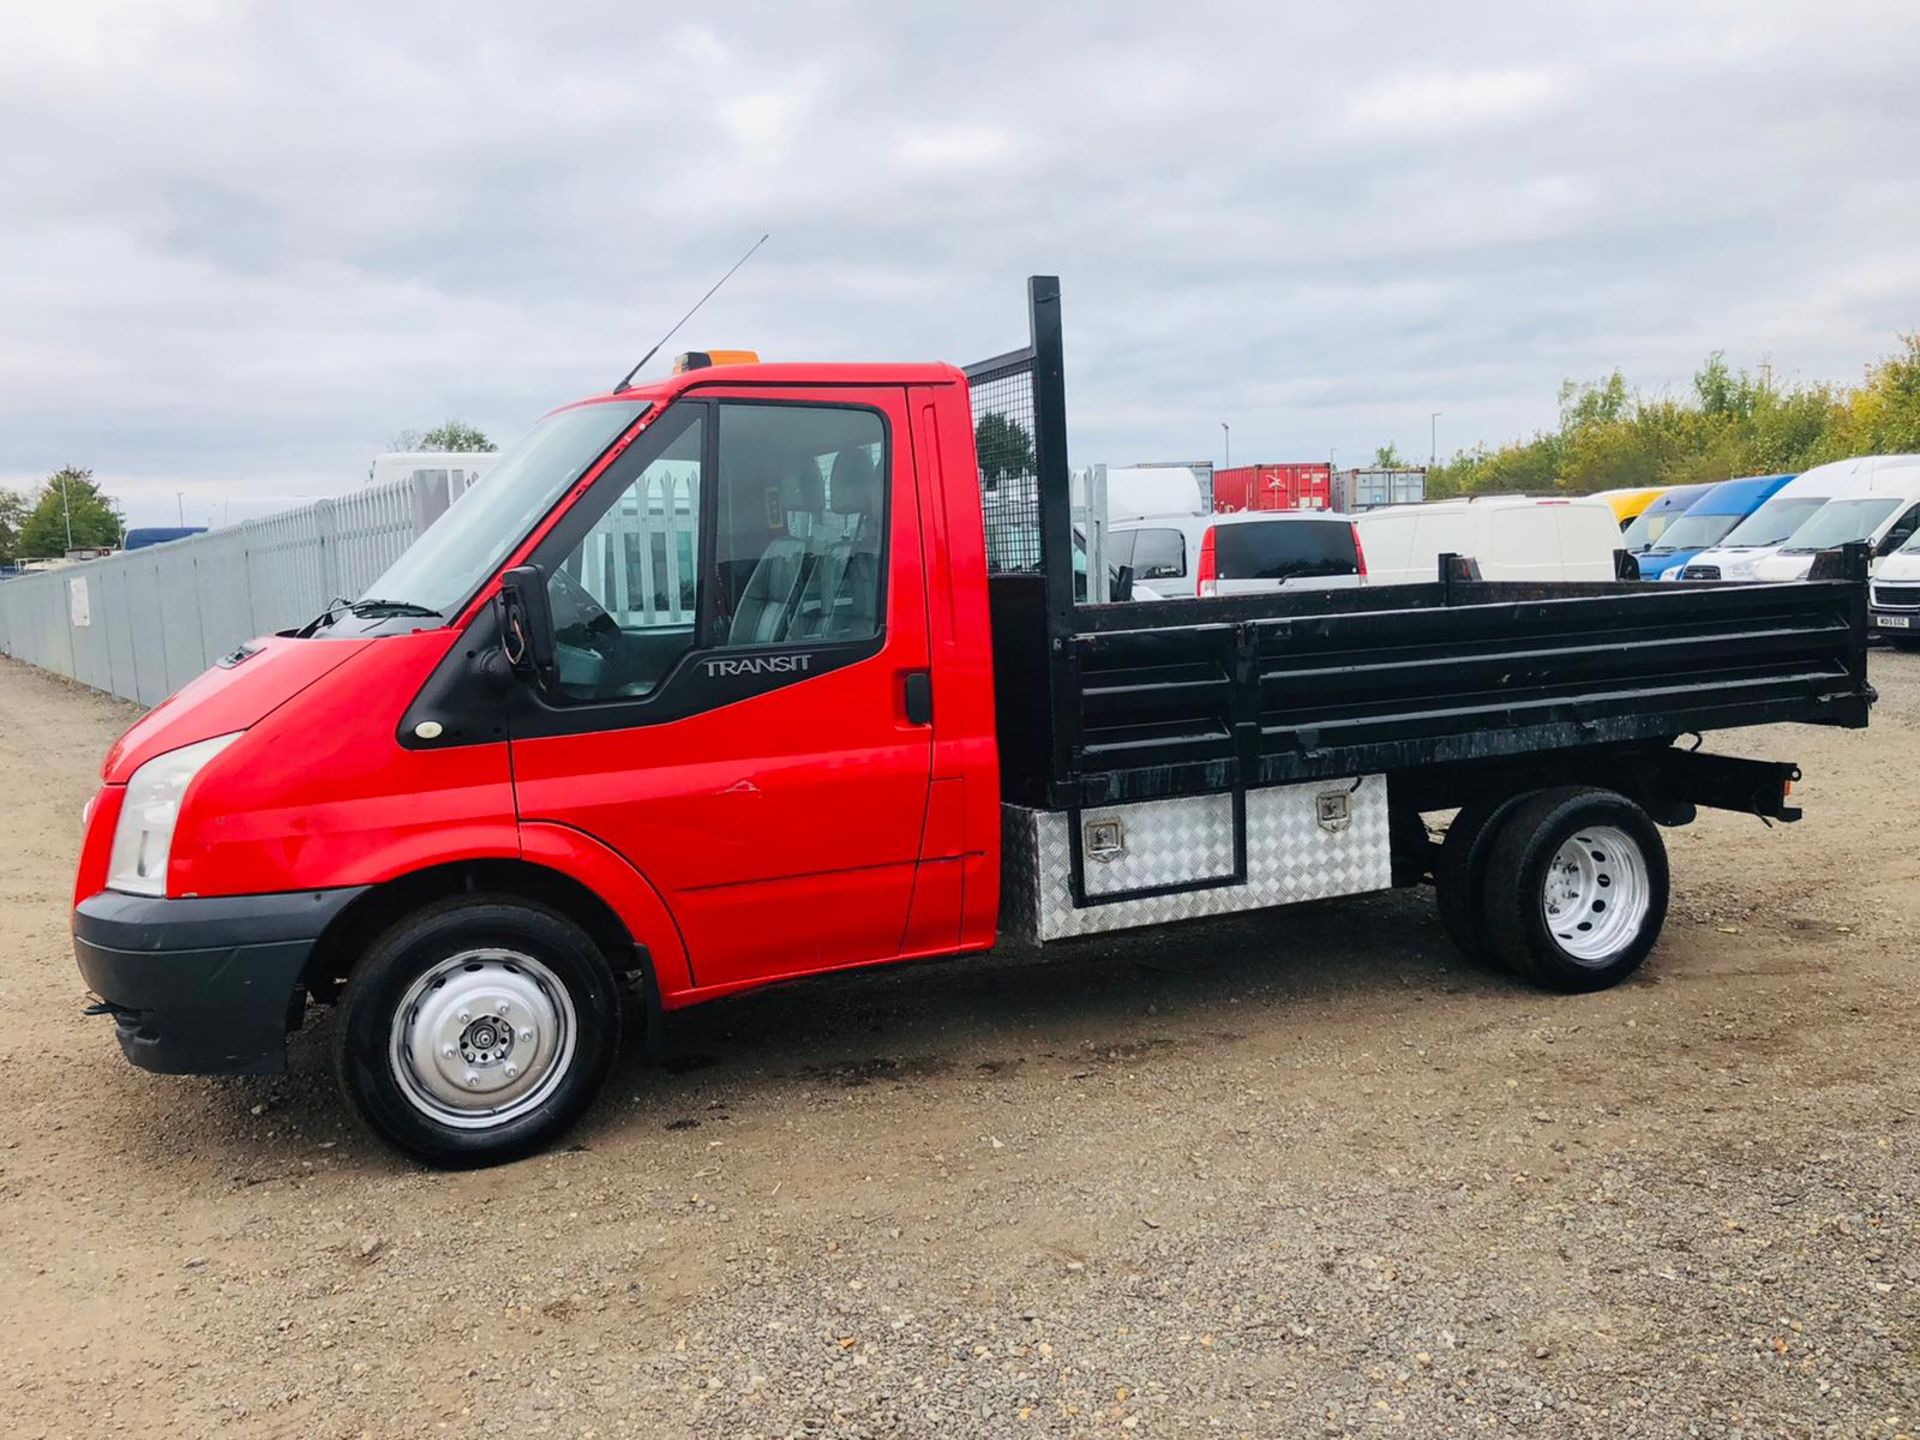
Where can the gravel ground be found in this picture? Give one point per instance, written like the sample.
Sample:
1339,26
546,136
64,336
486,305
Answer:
1291,1175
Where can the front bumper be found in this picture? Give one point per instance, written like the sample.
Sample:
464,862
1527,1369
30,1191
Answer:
1894,606
205,985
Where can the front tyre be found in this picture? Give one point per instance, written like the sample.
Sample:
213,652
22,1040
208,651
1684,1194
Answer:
1576,888
476,1031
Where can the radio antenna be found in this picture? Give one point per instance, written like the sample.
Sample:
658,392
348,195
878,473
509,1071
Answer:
627,379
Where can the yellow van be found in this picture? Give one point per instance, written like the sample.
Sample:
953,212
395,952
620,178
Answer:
1627,504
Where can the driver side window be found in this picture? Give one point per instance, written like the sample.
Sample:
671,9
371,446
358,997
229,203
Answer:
1901,531
800,528
625,598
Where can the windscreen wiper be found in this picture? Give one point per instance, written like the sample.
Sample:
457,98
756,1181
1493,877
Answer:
372,608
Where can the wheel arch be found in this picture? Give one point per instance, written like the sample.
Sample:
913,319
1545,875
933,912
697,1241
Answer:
1641,773
625,918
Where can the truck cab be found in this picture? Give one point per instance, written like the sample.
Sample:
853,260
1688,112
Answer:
733,756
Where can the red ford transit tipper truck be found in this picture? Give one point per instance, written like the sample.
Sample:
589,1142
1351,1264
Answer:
722,680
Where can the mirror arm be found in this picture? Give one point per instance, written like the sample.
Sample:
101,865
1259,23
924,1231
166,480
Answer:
526,625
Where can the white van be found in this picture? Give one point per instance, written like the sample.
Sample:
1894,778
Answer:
1885,514
1137,491
457,470
1769,527
1895,594
1182,556
1513,537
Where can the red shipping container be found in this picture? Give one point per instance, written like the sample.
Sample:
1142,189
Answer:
1287,486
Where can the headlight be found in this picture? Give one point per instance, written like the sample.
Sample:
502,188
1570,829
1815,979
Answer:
143,839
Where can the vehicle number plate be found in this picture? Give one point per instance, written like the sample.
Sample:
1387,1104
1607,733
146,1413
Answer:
1894,622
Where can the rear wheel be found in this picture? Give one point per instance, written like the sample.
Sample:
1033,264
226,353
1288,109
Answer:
1575,888
1459,874
476,1031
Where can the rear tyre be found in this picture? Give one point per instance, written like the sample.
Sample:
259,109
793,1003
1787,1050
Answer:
476,1031
1575,888
1459,875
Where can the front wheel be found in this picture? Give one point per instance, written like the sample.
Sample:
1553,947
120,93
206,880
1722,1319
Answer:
1576,888
476,1031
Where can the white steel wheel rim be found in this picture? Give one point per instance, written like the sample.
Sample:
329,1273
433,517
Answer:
1597,893
482,1038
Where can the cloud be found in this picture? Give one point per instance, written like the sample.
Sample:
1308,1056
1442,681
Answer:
1436,103
242,245
763,122
953,147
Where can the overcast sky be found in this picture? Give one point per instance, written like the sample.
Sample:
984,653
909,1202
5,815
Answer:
242,245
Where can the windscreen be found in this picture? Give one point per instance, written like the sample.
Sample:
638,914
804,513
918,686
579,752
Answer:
1284,549
460,551
1841,522
1646,528
1774,521
1696,532
1157,555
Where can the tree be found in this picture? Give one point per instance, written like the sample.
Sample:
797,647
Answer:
1722,392
13,515
1593,404
1729,423
404,441
1387,457
455,435
1883,416
70,494
1003,447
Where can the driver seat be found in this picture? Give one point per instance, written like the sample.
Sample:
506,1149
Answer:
843,591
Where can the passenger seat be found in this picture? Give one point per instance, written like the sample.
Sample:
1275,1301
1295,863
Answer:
774,590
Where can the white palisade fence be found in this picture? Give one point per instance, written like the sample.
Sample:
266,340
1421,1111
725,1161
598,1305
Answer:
140,625
639,560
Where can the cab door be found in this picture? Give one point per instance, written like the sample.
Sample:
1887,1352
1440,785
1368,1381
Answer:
740,616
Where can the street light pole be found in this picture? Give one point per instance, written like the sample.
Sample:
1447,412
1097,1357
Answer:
1433,439
1226,446
65,508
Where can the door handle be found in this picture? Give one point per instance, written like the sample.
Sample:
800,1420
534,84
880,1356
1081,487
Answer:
919,697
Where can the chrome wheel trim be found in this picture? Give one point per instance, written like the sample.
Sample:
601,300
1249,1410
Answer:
482,1038
1597,894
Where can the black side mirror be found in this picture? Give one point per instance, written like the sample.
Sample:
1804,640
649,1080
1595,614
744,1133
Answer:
526,628
1120,585
1625,566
